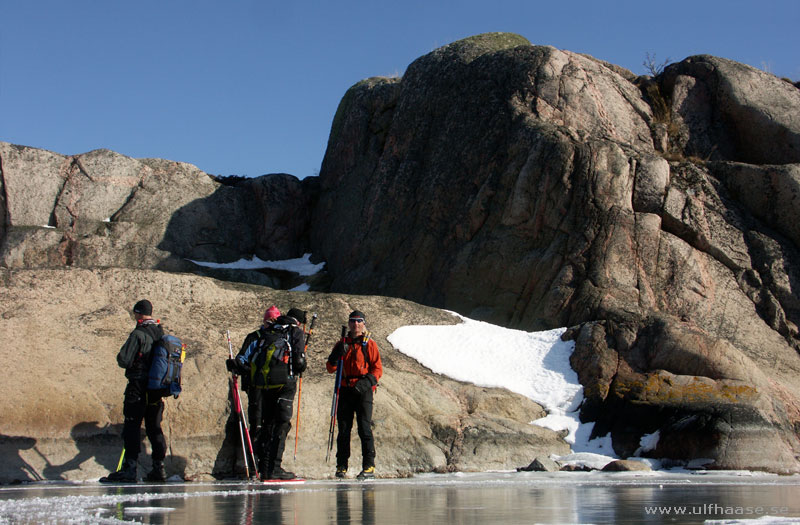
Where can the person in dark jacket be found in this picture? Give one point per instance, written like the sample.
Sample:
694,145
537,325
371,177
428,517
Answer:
254,406
273,357
135,357
361,371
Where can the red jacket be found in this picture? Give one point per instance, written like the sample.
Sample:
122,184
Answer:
355,367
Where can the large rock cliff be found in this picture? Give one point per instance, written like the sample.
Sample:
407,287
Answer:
523,185
536,188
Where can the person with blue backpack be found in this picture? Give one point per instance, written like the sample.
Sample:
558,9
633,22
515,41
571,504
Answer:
139,403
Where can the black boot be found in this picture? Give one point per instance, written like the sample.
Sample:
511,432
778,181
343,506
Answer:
158,473
279,473
367,473
264,471
127,474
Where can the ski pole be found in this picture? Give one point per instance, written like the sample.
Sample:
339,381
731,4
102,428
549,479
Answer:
243,430
121,457
335,401
242,415
237,409
300,388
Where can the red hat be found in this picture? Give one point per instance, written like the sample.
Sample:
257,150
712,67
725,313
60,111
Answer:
272,313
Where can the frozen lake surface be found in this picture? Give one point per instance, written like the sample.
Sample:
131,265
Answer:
480,498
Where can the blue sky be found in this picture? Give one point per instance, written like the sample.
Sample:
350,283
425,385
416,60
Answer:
250,87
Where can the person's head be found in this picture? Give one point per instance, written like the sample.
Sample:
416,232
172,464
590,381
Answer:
142,310
297,314
356,323
271,314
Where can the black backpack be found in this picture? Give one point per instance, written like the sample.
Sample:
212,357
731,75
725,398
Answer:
271,365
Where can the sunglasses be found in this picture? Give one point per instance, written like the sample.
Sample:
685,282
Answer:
355,320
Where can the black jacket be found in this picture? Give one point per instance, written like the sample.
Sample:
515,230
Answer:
134,356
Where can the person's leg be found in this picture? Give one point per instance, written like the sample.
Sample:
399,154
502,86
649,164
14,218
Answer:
344,418
264,413
133,412
364,422
282,423
133,408
154,412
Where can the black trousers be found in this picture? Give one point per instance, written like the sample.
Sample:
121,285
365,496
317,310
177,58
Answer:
270,412
351,403
135,408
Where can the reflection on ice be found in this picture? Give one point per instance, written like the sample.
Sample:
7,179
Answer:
497,497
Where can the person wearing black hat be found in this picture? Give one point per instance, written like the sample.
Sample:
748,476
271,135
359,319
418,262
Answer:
273,357
134,357
361,371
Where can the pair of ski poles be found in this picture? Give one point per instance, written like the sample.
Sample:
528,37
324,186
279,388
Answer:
335,401
244,431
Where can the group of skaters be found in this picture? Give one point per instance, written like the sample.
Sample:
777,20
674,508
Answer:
270,363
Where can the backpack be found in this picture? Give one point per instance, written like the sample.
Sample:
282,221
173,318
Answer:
166,365
270,367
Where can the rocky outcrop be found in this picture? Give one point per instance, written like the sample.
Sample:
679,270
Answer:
62,405
534,187
103,209
724,110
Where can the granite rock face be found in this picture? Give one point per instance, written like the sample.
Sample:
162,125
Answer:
103,209
535,188
725,110
62,411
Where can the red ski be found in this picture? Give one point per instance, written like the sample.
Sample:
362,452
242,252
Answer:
281,481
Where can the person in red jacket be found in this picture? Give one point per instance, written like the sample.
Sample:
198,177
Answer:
361,371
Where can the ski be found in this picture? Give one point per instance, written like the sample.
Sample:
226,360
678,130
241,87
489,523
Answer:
282,481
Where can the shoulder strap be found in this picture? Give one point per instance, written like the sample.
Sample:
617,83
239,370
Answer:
364,348
150,329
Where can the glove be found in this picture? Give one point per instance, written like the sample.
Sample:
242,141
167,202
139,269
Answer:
362,385
338,353
230,364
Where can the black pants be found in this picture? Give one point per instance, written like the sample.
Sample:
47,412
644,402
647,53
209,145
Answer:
351,403
135,408
270,413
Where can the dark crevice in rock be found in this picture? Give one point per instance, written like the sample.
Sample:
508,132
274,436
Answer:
5,220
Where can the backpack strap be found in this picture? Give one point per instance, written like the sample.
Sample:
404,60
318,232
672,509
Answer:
151,329
364,349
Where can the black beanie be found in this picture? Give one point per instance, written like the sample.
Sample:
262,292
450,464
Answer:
143,307
357,314
298,314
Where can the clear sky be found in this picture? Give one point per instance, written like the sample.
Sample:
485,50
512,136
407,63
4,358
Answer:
250,87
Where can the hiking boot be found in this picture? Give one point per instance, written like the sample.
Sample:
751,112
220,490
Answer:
341,471
367,473
127,474
158,473
279,473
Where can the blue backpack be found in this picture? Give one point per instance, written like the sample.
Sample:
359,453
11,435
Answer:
167,357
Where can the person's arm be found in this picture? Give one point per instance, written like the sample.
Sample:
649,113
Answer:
132,347
375,364
298,351
333,360
245,354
